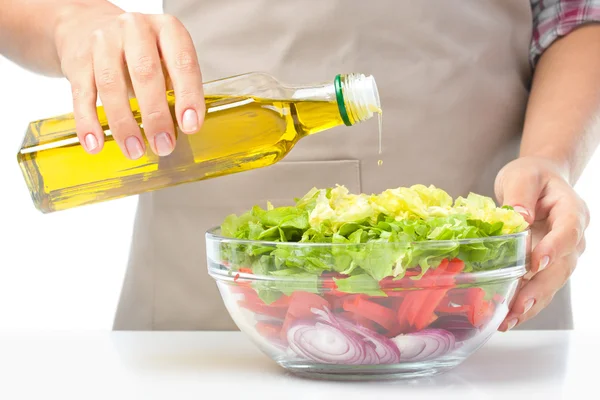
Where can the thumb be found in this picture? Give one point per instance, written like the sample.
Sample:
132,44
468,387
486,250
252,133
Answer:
519,188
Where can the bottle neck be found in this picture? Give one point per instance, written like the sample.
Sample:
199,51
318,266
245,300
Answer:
357,97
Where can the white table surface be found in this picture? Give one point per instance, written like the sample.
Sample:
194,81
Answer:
225,365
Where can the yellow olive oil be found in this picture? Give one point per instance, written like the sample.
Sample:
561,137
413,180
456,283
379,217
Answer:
239,133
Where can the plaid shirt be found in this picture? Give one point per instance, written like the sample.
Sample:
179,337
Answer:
553,19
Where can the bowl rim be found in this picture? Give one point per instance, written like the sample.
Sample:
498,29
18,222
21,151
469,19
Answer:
500,274
212,235
474,278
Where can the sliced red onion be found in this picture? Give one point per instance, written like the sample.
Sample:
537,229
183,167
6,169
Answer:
387,352
431,346
409,346
326,316
325,343
371,356
458,325
426,344
444,338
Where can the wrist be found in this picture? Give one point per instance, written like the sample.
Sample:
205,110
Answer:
556,161
65,16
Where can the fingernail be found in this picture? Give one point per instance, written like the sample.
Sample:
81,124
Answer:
190,121
528,304
521,210
544,263
134,147
512,323
91,143
163,143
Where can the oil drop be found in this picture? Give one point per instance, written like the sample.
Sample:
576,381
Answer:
379,119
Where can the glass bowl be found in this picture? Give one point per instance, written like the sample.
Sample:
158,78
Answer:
427,319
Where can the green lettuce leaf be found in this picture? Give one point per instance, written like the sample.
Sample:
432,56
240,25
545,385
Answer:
359,284
369,238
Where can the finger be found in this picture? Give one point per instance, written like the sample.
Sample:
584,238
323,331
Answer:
521,190
538,292
567,224
143,63
181,61
83,90
112,90
581,246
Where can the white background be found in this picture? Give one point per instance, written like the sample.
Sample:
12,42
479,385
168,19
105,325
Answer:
65,270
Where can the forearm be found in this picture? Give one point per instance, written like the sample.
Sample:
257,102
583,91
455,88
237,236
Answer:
564,106
28,30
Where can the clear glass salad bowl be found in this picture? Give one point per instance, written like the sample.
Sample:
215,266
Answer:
432,314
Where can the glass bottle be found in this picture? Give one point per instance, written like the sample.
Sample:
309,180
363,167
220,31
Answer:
252,121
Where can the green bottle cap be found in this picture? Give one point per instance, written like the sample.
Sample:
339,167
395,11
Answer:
339,95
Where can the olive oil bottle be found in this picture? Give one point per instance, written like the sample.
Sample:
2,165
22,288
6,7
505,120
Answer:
252,121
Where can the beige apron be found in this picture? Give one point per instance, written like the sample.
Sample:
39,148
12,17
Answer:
453,78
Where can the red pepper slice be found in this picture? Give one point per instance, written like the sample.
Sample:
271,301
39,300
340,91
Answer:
249,293
420,296
370,310
416,302
480,308
448,309
270,330
362,321
455,266
329,284
498,298
300,304
396,301
254,303
432,320
402,314
395,293
389,282
458,295
427,309
474,296
392,285
237,288
482,315
252,296
418,308
283,301
330,288
245,270
336,293
263,309
338,303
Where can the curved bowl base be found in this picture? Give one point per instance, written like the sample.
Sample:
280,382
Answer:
370,373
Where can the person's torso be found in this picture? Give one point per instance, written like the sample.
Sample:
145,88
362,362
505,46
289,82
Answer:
453,79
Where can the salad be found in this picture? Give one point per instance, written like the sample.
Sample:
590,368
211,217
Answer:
371,279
